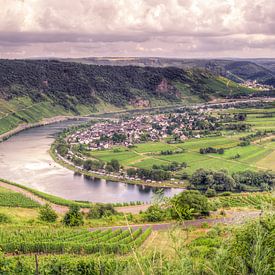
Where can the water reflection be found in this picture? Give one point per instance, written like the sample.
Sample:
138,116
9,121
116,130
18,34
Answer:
24,159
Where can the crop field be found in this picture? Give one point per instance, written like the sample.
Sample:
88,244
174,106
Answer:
256,200
14,199
259,155
62,240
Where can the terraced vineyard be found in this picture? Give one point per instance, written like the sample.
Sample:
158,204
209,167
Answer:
46,240
14,199
256,200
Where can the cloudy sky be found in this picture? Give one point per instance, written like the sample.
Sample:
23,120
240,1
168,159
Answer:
165,28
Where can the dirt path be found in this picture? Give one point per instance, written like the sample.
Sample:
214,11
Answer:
231,218
134,209
58,208
61,209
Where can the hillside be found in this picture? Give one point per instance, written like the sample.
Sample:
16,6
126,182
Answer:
34,89
239,70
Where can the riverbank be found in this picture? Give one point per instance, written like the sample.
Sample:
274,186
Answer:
61,205
65,163
25,126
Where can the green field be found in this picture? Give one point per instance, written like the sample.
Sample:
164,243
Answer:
13,199
259,155
49,240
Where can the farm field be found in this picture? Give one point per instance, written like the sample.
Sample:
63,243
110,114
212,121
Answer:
252,157
9,198
49,240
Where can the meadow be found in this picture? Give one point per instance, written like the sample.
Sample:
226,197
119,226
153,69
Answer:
259,155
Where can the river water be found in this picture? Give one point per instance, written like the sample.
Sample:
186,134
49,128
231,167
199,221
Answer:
24,159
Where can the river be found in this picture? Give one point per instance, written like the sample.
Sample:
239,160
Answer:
24,159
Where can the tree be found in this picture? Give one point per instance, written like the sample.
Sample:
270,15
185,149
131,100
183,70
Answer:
98,210
131,172
188,204
154,214
87,165
73,217
47,214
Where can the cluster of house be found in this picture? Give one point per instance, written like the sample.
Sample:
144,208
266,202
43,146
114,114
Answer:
104,135
255,85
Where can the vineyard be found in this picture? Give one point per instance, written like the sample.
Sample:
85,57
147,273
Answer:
46,240
14,199
255,200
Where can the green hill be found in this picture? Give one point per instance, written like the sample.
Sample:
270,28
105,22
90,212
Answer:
34,89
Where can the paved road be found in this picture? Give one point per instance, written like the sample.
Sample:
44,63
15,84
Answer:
231,218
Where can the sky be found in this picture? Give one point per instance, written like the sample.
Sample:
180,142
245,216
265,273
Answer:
157,28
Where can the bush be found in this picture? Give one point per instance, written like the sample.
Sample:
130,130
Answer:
73,217
210,193
188,204
154,214
47,214
4,218
97,211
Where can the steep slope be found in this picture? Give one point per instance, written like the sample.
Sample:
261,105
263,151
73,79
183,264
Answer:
33,89
261,70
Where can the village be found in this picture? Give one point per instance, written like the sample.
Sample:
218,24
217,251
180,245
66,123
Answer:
143,128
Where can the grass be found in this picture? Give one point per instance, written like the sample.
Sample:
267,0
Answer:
145,155
260,156
20,215
254,200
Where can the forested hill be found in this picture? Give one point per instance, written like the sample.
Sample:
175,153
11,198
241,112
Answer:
71,83
32,89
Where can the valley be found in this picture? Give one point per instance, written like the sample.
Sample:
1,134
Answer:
162,174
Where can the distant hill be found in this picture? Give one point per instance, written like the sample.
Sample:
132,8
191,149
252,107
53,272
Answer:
33,89
239,70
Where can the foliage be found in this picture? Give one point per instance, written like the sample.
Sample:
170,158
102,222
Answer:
73,217
4,218
211,150
210,192
47,214
249,180
188,204
14,199
255,200
50,240
98,211
219,181
152,174
241,181
251,250
154,214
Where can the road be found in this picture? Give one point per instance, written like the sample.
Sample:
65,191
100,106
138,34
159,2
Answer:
232,217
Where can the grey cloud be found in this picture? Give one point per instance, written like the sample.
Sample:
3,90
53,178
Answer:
141,27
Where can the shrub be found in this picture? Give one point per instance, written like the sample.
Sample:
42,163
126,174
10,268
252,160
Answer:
97,211
47,214
210,192
73,217
188,204
4,218
154,214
